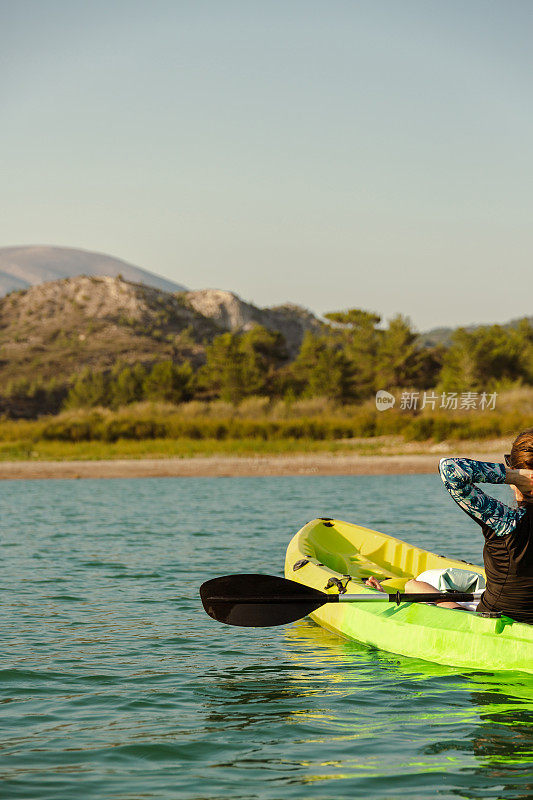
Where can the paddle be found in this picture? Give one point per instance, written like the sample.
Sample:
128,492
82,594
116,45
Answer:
253,600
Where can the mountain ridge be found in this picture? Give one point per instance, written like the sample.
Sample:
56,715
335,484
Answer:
23,266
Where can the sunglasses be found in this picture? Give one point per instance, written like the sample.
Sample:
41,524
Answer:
507,459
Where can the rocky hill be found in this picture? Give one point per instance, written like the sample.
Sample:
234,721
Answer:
22,267
233,314
55,329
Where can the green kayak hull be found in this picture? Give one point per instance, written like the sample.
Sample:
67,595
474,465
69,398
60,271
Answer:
331,554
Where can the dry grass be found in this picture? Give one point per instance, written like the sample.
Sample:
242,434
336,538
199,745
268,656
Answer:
260,426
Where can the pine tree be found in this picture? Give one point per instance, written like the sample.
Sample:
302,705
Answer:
90,389
168,382
128,386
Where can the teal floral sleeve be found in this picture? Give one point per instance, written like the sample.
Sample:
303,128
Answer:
460,475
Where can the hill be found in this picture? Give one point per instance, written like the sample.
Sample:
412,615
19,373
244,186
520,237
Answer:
233,314
56,329
443,336
22,267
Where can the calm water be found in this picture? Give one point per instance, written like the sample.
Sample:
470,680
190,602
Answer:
114,684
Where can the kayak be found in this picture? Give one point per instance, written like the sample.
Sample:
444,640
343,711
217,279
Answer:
336,556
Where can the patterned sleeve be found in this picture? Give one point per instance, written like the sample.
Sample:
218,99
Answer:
460,475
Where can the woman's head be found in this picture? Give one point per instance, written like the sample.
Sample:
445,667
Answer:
521,456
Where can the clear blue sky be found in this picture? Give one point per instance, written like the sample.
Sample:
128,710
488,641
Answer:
372,154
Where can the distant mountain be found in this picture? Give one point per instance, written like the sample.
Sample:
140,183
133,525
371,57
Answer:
436,336
443,336
22,267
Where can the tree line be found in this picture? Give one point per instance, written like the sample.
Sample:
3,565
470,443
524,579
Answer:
347,362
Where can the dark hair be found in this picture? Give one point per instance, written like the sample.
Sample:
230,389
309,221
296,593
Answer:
521,456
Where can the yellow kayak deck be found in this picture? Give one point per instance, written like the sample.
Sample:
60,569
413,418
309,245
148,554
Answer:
359,552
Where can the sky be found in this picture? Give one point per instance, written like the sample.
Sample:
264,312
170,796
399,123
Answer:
334,154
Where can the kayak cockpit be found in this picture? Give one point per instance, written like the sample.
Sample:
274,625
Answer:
359,552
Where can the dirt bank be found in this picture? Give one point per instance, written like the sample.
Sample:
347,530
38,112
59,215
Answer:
232,466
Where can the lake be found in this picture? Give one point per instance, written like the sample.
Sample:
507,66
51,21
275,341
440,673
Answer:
115,684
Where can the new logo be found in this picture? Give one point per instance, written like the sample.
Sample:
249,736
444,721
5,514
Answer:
384,400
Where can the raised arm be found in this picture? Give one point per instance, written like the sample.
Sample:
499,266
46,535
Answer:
460,475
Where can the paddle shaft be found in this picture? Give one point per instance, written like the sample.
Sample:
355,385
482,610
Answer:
398,597
411,597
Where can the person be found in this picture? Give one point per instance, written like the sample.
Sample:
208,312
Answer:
420,586
508,532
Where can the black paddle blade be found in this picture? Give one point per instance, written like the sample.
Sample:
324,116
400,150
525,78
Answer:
258,600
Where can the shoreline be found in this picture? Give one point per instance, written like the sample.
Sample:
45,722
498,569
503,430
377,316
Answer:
221,466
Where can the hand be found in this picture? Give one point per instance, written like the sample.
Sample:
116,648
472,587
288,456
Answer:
374,584
522,479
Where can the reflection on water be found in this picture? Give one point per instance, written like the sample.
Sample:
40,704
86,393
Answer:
473,723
